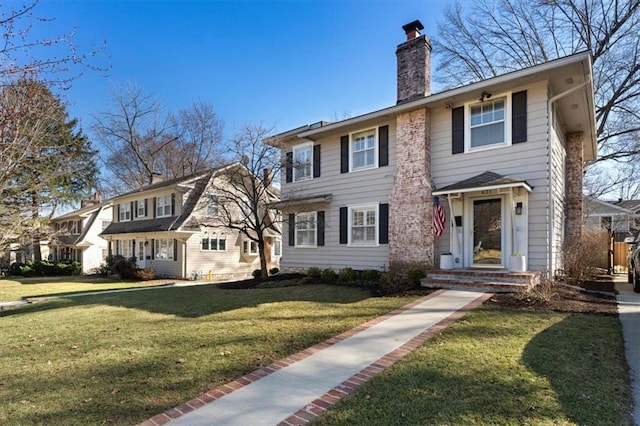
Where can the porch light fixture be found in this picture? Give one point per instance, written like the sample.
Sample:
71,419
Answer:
518,209
146,243
484,96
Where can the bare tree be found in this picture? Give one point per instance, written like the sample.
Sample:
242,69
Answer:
492,37
139,139
245,193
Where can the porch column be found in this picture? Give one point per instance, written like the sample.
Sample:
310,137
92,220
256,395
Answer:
575,173
411,237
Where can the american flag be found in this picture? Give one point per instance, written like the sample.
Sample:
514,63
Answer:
438,217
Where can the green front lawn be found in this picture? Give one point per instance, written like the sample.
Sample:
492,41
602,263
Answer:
18,288
121,358
501,366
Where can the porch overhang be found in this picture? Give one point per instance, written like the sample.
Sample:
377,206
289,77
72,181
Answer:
483,182
300,201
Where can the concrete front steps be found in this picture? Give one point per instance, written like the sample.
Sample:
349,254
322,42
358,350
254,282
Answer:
499,281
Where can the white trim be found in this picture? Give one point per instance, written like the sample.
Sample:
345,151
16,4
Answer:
376,142
366,207
507,123
505,225
163,206
295,234
486,188
298,147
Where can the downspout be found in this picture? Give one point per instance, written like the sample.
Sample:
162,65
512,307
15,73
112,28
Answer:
550,197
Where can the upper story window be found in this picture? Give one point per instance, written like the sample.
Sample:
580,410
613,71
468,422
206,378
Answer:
488,123
163,205
125,212
363,150
213,206
363,225
305,230
141,208
302,162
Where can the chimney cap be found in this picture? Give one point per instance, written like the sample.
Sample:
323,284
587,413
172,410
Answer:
413,26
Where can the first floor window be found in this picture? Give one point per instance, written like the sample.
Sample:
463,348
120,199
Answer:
163,249
125,212
163,206
250,247
125,248
363,225
213,242
277,247
306,229
488,123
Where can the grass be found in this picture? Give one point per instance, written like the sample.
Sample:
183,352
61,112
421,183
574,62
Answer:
502,366
121,358
18,288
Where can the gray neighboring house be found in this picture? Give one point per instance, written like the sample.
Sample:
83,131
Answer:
610,215
503,157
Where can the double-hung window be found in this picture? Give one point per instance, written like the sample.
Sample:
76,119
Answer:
488,123
213,206
250,247
305,230
125,212
163,206
214,242
277,247
363,227
142,208
363,149
125,248
163,249
302,162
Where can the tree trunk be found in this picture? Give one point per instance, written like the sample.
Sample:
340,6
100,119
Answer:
263,257
35,214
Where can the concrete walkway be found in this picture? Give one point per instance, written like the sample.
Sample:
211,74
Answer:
629,314
294,391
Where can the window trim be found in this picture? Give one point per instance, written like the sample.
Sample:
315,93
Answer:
122,211
141,206
273,247
247,243
315,229
163,206
294,167
376,226
156,246
507,123
376,143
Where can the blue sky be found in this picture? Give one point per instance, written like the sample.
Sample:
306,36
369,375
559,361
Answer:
280,64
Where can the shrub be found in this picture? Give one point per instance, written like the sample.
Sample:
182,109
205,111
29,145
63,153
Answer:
329,276
370,276
273,271
582,256
257,273
146,274
314,272
392,282
347,275
125,268
42,268
414,276
102,270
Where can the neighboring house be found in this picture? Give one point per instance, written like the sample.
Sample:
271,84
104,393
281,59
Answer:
608,216
76,235
504,157
175,228
634,207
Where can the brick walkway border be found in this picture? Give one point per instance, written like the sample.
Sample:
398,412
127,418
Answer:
317,407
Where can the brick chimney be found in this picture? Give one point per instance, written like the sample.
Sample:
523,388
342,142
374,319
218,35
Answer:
414,64
156,178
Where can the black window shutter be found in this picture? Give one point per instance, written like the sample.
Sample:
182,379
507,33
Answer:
135,210
131,210
289,166
383,146
110,248
154,206
383,231
316,161
344,154
133,248
519,117
457,130
320,228
175,250
292,229
118,214
173,204
343,225
153,249
146,211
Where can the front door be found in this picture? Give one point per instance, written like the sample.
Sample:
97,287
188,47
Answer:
141,261
487,233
